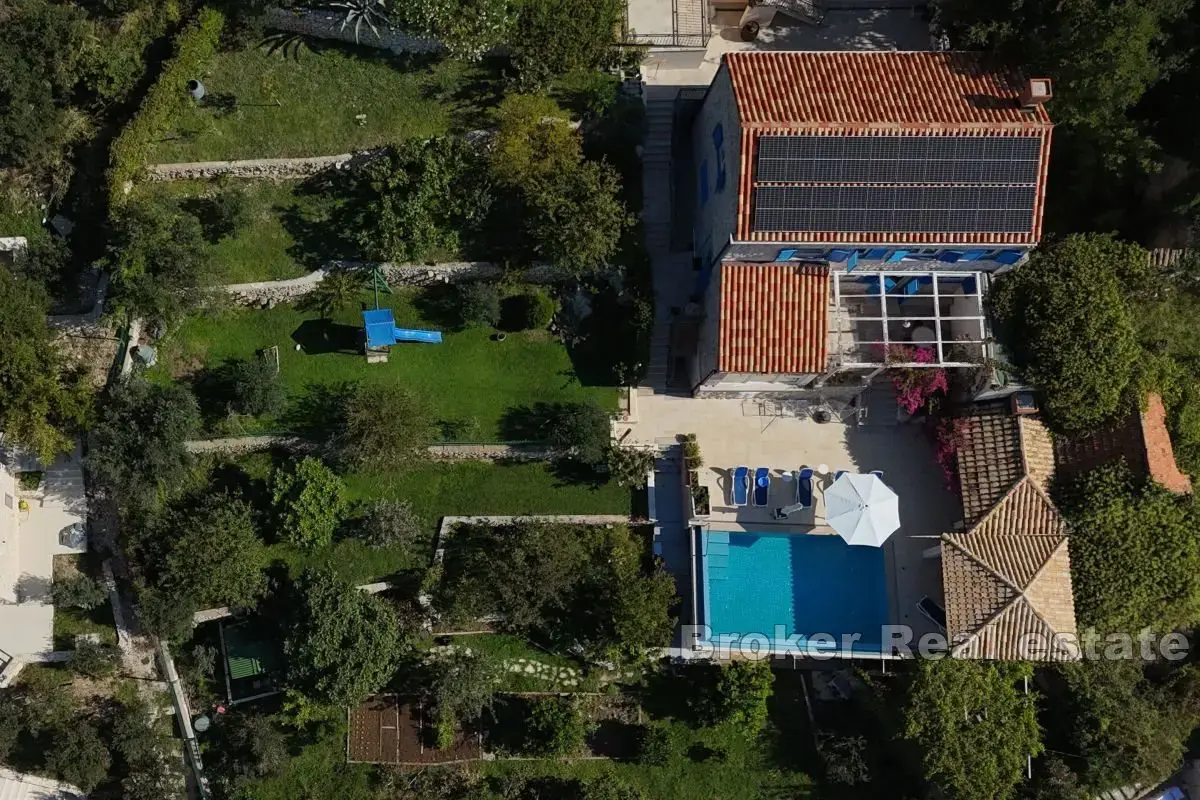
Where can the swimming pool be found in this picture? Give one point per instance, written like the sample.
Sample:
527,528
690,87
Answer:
779,584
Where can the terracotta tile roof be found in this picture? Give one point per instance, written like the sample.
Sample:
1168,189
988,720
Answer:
873,93
774,318
995,450
1007,582
1141,438
855,89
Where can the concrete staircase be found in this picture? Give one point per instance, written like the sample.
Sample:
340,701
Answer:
656,215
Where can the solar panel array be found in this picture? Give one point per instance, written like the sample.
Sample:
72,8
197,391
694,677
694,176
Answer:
924,209
947,183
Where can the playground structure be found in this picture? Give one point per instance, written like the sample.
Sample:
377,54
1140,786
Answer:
381,330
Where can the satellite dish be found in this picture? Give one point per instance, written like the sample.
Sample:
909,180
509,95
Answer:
202,724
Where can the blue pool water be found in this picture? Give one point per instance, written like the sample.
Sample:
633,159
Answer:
806,583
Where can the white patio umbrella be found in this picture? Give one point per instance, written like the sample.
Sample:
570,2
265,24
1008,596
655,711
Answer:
862,509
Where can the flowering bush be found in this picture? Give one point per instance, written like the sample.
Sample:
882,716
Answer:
915,385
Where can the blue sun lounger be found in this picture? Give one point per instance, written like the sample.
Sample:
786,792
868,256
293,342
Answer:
762,483
741,486
804,487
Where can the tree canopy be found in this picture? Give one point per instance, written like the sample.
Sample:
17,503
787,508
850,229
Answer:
1135,558
383,426
1066,322
138,442
159,259
44,402
342,644
575,586
975,725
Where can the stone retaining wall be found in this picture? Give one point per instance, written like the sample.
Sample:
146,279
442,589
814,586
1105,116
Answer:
266,294
258,168
448,451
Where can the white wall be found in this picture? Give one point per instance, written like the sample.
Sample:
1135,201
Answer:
716,219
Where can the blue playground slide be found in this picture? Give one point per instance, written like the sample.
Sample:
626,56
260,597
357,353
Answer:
414,335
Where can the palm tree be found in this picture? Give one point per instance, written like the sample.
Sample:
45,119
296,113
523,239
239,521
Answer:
371,12
335,291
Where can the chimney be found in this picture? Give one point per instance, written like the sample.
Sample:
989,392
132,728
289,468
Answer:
1036,92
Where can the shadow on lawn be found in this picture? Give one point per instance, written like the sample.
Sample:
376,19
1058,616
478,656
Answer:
319,336
320,411
320,219
470,93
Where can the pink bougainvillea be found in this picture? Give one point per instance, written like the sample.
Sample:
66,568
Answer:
915,385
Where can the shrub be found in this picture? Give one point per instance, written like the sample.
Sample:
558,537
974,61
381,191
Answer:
479,303
77,755
230,212
467,28
78,591
691,451
336,290
629,466
555,727
393,523
657,746
539,309
738,696
94,660
845,760
554,37
165,100
309,502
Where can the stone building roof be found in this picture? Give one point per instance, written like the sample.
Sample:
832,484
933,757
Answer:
1007,578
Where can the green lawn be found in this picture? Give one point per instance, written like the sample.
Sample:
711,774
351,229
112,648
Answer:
266,249
469,379
308,103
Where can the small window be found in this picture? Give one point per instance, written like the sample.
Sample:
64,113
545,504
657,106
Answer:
8,500
703,183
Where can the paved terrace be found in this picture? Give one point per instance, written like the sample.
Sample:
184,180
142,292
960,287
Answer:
732,433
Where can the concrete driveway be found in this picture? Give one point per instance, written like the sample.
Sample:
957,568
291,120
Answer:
27,569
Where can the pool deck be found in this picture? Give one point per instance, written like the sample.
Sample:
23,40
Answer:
730,433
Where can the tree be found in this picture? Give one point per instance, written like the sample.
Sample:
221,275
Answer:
975,726
845,760
537,309
44,402
657,746
336,290
159,261
630,466
1055,781
152,762
468,29
249,747
78,756
1065,320
554,37
533,140
310,501
253,387
162,614
555,727
739,696
231,213
463,687
1135,559
138,443
342,644
584,429
479,303
393,523
421,200
383,426
1127,728
576,218
78,591
215,556
48,262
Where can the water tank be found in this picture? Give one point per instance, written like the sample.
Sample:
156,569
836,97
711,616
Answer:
195,89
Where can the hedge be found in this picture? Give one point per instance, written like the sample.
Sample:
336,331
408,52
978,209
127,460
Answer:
164,102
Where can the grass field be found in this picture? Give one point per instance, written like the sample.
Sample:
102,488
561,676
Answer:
72,622
266,249
313,102
469,379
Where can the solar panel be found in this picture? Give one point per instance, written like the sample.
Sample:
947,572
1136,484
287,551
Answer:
898,159
952,209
